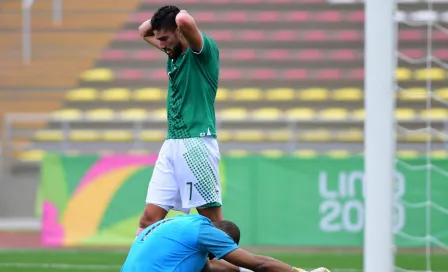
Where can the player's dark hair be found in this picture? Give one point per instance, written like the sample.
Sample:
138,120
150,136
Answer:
230,228
165,18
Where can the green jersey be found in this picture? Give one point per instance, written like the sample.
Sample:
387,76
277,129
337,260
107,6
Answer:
192,87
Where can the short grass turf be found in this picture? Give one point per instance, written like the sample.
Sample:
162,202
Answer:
108,261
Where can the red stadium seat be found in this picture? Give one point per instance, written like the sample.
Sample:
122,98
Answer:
328,74
329,16
114,54
345,55
311,54
276,54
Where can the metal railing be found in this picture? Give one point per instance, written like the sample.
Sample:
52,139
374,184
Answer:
26,25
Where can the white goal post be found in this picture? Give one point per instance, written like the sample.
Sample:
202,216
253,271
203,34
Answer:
379,145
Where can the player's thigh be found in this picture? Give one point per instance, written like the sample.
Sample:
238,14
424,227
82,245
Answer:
197,174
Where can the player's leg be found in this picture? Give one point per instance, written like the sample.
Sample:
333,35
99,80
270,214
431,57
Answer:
197,161
162,190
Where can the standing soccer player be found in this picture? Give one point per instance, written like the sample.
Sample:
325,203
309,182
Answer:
186,172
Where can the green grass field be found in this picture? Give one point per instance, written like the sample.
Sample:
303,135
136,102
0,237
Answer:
108,261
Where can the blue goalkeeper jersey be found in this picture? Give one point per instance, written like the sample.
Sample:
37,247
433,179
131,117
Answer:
177,244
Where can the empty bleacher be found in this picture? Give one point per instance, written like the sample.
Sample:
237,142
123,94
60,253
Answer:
291,81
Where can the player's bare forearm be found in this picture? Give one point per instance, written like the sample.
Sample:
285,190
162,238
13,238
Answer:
187,26
145,31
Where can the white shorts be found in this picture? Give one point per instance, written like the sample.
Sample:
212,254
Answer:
186,175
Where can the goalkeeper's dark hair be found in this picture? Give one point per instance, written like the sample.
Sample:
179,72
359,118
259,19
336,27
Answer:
165,18
230,228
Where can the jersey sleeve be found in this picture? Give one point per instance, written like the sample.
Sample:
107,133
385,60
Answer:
209,48
215,241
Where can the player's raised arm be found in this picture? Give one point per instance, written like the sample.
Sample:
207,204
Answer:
145,31
189,30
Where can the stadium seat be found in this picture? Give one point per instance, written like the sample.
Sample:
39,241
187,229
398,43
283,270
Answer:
247,94
350,135
152,135
49,136
318,135
358,114
278,135
415,137
407,154
305,153
99,74
279,94
116,94
313,94
84,136
224,135
117,136
338,153
233,114
100,114
402,74
82,94
347,94
413,94
442,93
149,94
159,114
439,154
134,114
272,153
439,114
222,94
34,155
297,114
434,74
267,114
248,135
333,114
405,114
237,153
67,114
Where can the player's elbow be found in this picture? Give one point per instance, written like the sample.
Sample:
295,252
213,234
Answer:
144,28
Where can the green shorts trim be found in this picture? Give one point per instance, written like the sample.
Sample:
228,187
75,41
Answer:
210,205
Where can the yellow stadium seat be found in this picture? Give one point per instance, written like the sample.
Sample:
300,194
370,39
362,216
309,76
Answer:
248,135
413,94
159,114
247,94
305,153
272,153
97,74
280,94
49,136
318,135
439,154
338,154
403,114
153,135
407,154
34,155
84,136
139,152
415,137
300,114
333,114
403,74
358,114
116,94
100,114
233,114
350,135
434,74
434,114
82,94
347,94
224,135
222,94
442,93
134,114
267,114
237,153
67,114
313,94
117,136
278,135
149,94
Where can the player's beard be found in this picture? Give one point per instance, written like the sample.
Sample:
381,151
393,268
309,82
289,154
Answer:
176,51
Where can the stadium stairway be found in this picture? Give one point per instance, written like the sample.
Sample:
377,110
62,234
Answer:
298,58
